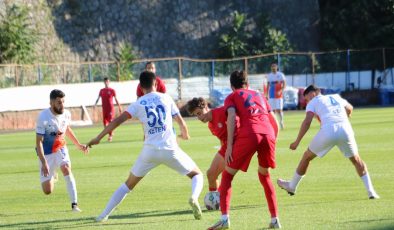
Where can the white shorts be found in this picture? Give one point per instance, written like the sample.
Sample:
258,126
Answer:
276,103
55,160
151,157
340,135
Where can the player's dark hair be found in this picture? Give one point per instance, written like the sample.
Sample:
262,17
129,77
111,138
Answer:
146,79
56,93
238,79
149,63
105,79
196,102
311,88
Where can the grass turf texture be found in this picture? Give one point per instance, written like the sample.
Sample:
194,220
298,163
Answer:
331,196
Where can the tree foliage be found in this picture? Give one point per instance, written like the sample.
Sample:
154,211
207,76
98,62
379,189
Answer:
356,24
238,41
125,58
17,38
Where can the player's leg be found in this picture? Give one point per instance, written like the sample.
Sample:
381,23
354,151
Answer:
106,120
266,159
291,186
348,147
243,150
184,165
65,166
216,168
118,196
280,112
141,167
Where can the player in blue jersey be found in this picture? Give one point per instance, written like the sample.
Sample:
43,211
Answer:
53,124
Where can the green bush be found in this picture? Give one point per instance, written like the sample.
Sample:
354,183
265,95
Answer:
17,38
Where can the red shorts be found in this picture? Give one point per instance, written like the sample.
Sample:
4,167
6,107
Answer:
107,118
245,147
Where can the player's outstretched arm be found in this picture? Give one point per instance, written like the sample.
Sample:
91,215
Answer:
117,102
70,134
303,129
110,127
182,126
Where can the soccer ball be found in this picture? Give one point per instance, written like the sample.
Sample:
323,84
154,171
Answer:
212,201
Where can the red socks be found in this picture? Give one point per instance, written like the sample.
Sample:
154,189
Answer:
270,194
225,192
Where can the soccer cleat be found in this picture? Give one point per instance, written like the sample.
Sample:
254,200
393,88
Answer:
75,208
285,185
221,224
373,195
276,224
101,219
196,208
110,139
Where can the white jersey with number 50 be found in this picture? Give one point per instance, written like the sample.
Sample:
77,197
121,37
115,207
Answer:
329,108
155,110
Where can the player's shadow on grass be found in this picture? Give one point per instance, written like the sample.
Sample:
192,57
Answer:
72,223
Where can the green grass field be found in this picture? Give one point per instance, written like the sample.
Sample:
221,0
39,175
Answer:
331,196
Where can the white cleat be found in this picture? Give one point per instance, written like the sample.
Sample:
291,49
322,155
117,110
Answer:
221,224
275,225
75,208
286,186
373,195
196,208
101,219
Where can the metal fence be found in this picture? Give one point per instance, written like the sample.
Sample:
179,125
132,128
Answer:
185,77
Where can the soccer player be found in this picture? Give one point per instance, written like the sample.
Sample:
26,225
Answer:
108,95
53,124
335,130
256,133
276,86
161,87
216,119
155,110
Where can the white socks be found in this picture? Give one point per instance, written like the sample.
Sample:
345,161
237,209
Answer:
368,183
197,183
294,182
116,198
71,188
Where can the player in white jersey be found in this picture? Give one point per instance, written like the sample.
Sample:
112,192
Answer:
332,111
53,124
156,111
276,86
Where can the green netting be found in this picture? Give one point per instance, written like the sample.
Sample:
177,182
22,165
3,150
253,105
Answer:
261,64
331,62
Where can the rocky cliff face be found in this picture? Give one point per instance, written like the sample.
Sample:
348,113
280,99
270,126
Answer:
74,30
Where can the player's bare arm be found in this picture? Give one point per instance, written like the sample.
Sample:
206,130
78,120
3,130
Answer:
303,129
70,134
230,134
182,126
110,127
117,102
98,98
40,153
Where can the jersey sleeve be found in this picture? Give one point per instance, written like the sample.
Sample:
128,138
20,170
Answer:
40,126
229,102
310,107
67,117
343,102
174,108
139,91
133,110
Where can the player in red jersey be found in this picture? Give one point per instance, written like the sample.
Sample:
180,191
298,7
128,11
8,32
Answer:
107,95
216,119
161,87
255,134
